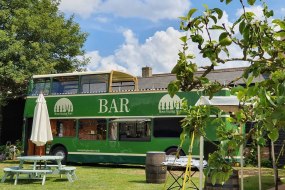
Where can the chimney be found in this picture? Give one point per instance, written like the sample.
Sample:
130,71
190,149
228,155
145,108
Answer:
146,71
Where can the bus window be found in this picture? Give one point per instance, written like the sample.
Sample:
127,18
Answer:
167,127
65,85
94,83
63,127
134,130
41,85
92,129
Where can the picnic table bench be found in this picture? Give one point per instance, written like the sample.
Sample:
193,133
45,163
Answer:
69,172
8,172
33,174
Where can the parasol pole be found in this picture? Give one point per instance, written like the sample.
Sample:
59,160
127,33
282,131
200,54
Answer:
241,160
201,162
259,166
188,167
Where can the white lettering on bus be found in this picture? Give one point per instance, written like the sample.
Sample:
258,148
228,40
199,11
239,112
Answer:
124,104
103,105
112,107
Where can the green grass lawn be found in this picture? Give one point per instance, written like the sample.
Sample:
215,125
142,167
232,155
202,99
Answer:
111,178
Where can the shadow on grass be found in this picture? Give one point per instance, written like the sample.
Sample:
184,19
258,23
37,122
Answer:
9,162
251,182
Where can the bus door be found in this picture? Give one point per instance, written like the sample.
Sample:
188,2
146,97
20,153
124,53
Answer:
133,135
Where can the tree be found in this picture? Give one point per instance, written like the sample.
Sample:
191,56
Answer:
35,38
262,46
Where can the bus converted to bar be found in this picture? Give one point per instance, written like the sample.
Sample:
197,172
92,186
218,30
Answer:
103,117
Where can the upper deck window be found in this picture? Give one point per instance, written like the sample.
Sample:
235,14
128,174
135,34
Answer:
41,85
94,83
65,85
123,86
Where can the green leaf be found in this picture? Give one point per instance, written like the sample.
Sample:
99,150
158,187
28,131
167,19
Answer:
216,27
249,80
183,39
228,1
274,134
268,97
280,34
205,6
261,141
237,89
191,12
183,18
214,18
245,32
197,38
213,178
226,51
251,2
173,87
241,26
224,39
219,12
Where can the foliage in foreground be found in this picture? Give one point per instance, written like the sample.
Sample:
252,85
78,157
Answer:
260,43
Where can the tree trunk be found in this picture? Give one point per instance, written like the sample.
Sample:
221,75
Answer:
274,166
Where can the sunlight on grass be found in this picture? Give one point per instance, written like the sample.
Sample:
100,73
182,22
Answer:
109,177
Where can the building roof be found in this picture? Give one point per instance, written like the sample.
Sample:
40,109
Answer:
223,76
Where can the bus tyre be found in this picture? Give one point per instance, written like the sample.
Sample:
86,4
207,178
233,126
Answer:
172,151
60,151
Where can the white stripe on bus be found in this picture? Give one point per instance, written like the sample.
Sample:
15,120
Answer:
105,154
114,154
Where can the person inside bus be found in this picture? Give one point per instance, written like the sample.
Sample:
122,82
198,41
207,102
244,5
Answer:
59,129
113,131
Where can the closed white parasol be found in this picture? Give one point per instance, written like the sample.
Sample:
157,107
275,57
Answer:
41,129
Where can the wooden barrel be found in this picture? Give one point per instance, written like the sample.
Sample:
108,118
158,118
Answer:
231,184
155,171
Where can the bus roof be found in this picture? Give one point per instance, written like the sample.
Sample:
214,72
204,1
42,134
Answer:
116,75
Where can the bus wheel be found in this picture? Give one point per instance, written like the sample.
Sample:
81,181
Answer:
60,151
173,151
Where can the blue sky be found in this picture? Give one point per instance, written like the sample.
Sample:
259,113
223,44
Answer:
130,34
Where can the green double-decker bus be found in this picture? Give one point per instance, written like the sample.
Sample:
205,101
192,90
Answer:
103,117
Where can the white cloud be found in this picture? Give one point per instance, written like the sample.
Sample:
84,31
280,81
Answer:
83,8
146,9
257,10
159,52
102,19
